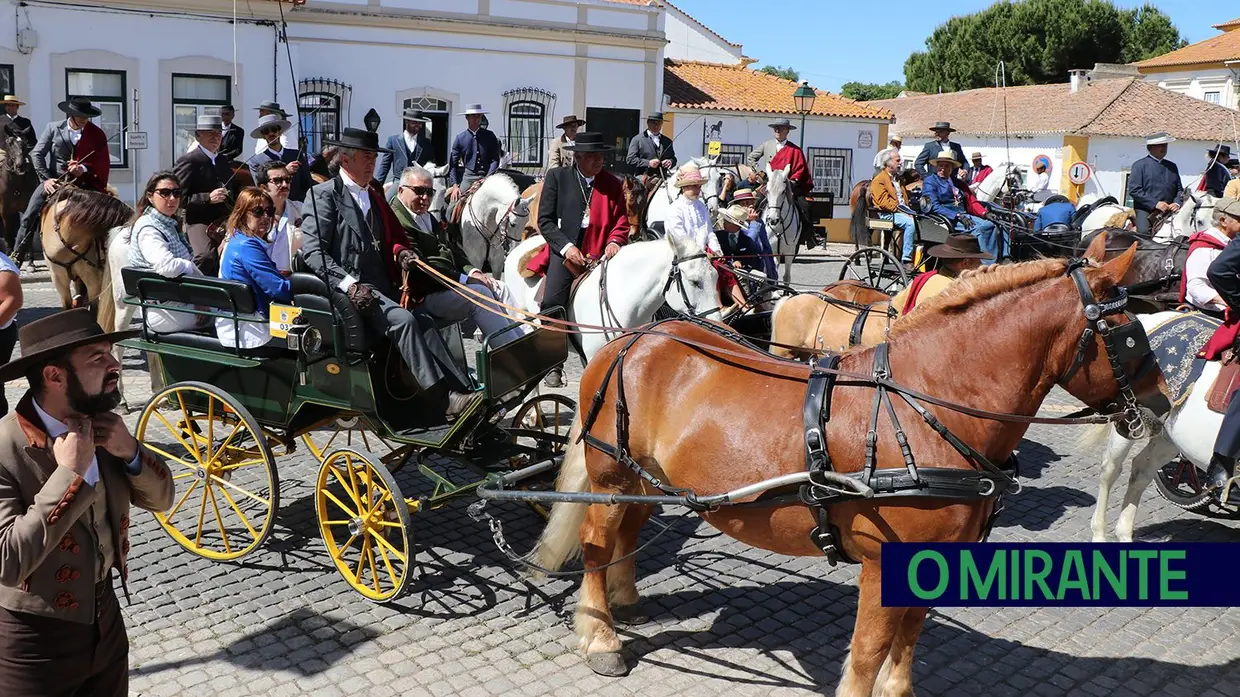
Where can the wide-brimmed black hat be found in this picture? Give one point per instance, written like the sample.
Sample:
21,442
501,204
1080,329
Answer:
589,141
571,120
272,106
782,123
56,335
942,126
959,247
79,106
358,139
414,114
655,116
1233,163
1224,152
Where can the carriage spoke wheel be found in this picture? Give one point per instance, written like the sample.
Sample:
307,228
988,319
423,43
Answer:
227,487
876,268
543,422
364,522
353,431
1180,482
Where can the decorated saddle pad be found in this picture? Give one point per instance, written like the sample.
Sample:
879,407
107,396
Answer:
1175,344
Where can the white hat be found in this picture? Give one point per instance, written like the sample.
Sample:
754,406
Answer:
471,109
1159,138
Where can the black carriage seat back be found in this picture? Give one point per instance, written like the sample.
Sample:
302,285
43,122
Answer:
1078,218
657,228
1057,227
309,291
1056,198
215,294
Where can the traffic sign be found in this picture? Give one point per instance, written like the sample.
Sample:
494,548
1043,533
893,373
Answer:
135,140
714,148
1079,173
1042,160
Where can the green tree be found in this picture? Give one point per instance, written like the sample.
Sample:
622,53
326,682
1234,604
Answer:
786,73
1039,41
867,91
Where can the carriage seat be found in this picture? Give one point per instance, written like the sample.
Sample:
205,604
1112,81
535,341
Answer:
311,292
217,294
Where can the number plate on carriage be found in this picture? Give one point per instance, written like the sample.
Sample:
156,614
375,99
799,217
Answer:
281,319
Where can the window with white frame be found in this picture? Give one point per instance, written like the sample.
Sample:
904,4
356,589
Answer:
194,96
106,90
527,111
6,78
733,154
832,170
1214,97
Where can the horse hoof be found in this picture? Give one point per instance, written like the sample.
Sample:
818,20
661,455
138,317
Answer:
554,379
629,615
610,664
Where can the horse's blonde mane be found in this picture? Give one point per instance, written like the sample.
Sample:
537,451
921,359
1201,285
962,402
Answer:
980,284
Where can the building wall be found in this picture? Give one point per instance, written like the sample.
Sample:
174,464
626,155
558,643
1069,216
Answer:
1112,159
996,150
1199,83
688,40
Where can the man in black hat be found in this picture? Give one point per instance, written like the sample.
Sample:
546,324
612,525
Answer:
271,128
1154,183
268,108
353,240
1214,180
583,217
651,152
475,153
942,141
72,151
207,183
558,155
409,147
69,471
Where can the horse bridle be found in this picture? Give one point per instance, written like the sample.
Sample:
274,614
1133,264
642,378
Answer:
1121,342
504,220
675,276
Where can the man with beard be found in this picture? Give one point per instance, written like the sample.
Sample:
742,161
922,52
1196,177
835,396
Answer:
69,471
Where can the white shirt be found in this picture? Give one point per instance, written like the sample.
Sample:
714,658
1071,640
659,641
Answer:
277,242
208,153
55,429
279,154
362,198
411,141
1041,182
691,219
779,145
6,264
261,143
1197,288
75,134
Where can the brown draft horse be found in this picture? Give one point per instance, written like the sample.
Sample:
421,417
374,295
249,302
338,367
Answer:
686,403
816,324
75,227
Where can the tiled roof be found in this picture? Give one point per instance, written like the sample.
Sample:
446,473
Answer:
719,87
1128,107
1216,49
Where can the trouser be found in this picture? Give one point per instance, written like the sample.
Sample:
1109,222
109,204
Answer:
49,657
558,283
905,223
758,235
23,249
1143,221
807,226
989,238
454,307
1227,443
8,339
199,241
417,338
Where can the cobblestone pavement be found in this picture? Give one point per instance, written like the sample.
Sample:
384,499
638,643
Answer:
726,619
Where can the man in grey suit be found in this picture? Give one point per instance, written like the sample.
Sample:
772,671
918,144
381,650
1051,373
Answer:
761,155
942,141
353,241
409,147
651,152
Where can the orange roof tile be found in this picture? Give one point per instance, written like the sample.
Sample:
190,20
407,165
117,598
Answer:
719,87
1127,107
1216,49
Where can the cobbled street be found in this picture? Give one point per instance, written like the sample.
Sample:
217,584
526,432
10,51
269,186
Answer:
725,619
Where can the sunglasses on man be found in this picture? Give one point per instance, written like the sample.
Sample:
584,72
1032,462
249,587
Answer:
280,181
272,131
419,190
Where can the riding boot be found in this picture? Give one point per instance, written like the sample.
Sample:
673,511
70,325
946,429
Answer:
555,378
1222,469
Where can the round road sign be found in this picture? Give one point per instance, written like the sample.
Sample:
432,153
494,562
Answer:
1079,173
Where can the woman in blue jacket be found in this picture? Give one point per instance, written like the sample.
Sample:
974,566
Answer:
245,259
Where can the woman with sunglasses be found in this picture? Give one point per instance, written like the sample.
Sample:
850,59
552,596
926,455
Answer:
245,260
159,244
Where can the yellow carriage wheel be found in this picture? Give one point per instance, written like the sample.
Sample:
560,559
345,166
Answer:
354,431
552,415
227,489
364,522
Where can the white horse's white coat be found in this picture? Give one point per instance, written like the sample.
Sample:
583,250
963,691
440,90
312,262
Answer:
636,278
1193,216
493,220
782,219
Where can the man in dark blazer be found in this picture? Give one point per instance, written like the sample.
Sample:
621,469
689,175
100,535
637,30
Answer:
942,141
475,153
353,240
207,184
1214,180
270,128
19,124
234,136
1154,182
74,150
651,152
409,147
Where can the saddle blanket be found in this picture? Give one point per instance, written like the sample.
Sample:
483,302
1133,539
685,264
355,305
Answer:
1174,343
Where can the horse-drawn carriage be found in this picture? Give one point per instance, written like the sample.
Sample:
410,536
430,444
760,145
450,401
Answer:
226,414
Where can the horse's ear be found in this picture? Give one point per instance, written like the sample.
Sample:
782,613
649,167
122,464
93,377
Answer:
526,202
1097,248
1113,271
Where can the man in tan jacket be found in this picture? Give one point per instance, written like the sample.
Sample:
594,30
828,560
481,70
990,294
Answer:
69,471
560,155
891,199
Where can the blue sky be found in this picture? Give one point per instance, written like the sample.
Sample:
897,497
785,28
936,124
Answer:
835,41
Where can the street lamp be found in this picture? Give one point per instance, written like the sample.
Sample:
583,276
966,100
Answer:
804,100
371,119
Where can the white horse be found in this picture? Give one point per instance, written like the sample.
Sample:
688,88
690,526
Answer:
1193,216
1189,429
493,219
662,199
782,219
639,279
990,187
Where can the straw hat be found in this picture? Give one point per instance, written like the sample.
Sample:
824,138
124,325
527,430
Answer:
689,175
945,155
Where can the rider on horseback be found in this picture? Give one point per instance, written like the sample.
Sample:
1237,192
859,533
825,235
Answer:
1224,275
778,153
1154,183
70,151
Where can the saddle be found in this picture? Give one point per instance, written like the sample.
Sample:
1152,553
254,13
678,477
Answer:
529,270
1225,385
458,206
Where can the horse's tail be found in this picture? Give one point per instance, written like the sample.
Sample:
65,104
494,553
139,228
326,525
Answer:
1094,436
561,539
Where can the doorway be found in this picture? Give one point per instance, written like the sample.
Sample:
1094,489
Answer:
618,127
439,111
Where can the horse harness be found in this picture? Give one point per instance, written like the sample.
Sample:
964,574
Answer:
987,480
673,276
95,245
